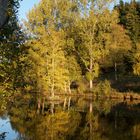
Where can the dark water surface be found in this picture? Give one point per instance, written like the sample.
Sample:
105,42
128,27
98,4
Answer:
71,119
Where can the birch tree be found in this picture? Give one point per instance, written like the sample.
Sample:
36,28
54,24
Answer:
92,32
44,25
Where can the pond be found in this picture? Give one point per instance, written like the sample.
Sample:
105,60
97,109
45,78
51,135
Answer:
71,119
6,131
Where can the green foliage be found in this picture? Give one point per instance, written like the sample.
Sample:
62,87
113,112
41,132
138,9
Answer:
11,40
81,87
67,40
49,54
130,18
91,42
103,88
49,63
136,61
119,47
68,46
73,68
94,74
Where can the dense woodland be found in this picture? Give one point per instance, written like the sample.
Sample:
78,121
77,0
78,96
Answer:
67,44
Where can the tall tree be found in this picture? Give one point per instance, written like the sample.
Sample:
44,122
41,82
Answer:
11,37
47,26
120,45
91,31
130,18
129,15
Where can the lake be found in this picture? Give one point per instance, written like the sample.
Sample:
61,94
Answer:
71,119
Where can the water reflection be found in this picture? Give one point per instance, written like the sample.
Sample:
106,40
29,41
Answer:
6,132
74,119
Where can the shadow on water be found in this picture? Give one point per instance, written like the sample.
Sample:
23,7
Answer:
74,119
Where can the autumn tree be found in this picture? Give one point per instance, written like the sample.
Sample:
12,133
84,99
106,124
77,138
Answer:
91,42
119,46
48,26
80,32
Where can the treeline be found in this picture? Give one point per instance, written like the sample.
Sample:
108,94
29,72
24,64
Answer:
63,41
129,16
11,39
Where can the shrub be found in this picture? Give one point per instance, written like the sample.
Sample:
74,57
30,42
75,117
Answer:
103,88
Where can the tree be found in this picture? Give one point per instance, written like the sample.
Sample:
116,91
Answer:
130,18
6,10
11,39
136,61
129,15
57,73
91,42
133,22
49,27
120,44
48,63
74,71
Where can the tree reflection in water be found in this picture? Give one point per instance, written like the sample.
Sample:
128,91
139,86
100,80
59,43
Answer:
75,118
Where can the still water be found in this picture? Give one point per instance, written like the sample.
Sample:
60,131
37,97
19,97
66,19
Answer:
71,119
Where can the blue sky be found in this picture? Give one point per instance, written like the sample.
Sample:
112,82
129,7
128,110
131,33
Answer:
26,5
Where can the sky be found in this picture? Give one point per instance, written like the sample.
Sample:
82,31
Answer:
26,5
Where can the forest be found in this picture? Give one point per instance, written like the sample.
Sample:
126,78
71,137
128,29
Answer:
64,46
71,70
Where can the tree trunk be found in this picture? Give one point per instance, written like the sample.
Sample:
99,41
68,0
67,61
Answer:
90,121
52,108
3,12
38,106
65,102
115,68
43,103
115,120
91,84
69,102
91,107
65,88
53,69
69,87
52,92
90,71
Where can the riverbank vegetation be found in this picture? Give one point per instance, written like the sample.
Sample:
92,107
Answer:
80,46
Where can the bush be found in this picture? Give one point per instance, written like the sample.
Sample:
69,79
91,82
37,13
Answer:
103,88
81,87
